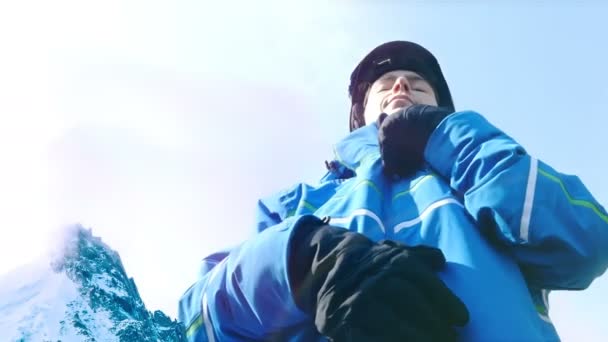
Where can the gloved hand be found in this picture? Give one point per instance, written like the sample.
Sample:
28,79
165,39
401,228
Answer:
403,136
359,290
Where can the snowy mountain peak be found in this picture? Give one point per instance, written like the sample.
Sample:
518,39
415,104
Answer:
83,294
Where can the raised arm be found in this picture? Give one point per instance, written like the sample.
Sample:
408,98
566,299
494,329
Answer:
552,224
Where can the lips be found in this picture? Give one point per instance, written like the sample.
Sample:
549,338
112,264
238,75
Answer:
401,98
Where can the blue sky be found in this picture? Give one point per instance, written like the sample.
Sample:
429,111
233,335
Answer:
159,124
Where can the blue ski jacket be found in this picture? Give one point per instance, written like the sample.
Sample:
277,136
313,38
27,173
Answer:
510,226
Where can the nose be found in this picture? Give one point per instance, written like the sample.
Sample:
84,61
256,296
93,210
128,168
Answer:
402,85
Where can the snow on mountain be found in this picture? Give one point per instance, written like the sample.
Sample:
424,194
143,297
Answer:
80,293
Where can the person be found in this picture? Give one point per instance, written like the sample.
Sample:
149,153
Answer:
431,224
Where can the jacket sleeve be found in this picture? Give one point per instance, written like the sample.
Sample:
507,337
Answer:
244,294
549,221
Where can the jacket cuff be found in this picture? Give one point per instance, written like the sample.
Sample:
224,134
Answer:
454,139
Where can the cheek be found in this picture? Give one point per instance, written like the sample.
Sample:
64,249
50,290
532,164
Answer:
372,111
372,108
424,98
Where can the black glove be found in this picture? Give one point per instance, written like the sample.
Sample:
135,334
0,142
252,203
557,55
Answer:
403,136
359,290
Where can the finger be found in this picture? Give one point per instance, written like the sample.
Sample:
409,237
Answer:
450,306
388,294
432,288
350,333
430,256
381,119
408,320
362,318
414,311
397,329
410,304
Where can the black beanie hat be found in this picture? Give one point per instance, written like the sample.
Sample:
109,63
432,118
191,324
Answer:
395,55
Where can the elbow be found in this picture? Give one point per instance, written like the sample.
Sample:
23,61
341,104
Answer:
560,266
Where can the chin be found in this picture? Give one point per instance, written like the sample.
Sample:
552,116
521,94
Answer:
396,109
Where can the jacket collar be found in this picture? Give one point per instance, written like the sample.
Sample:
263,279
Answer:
358,145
